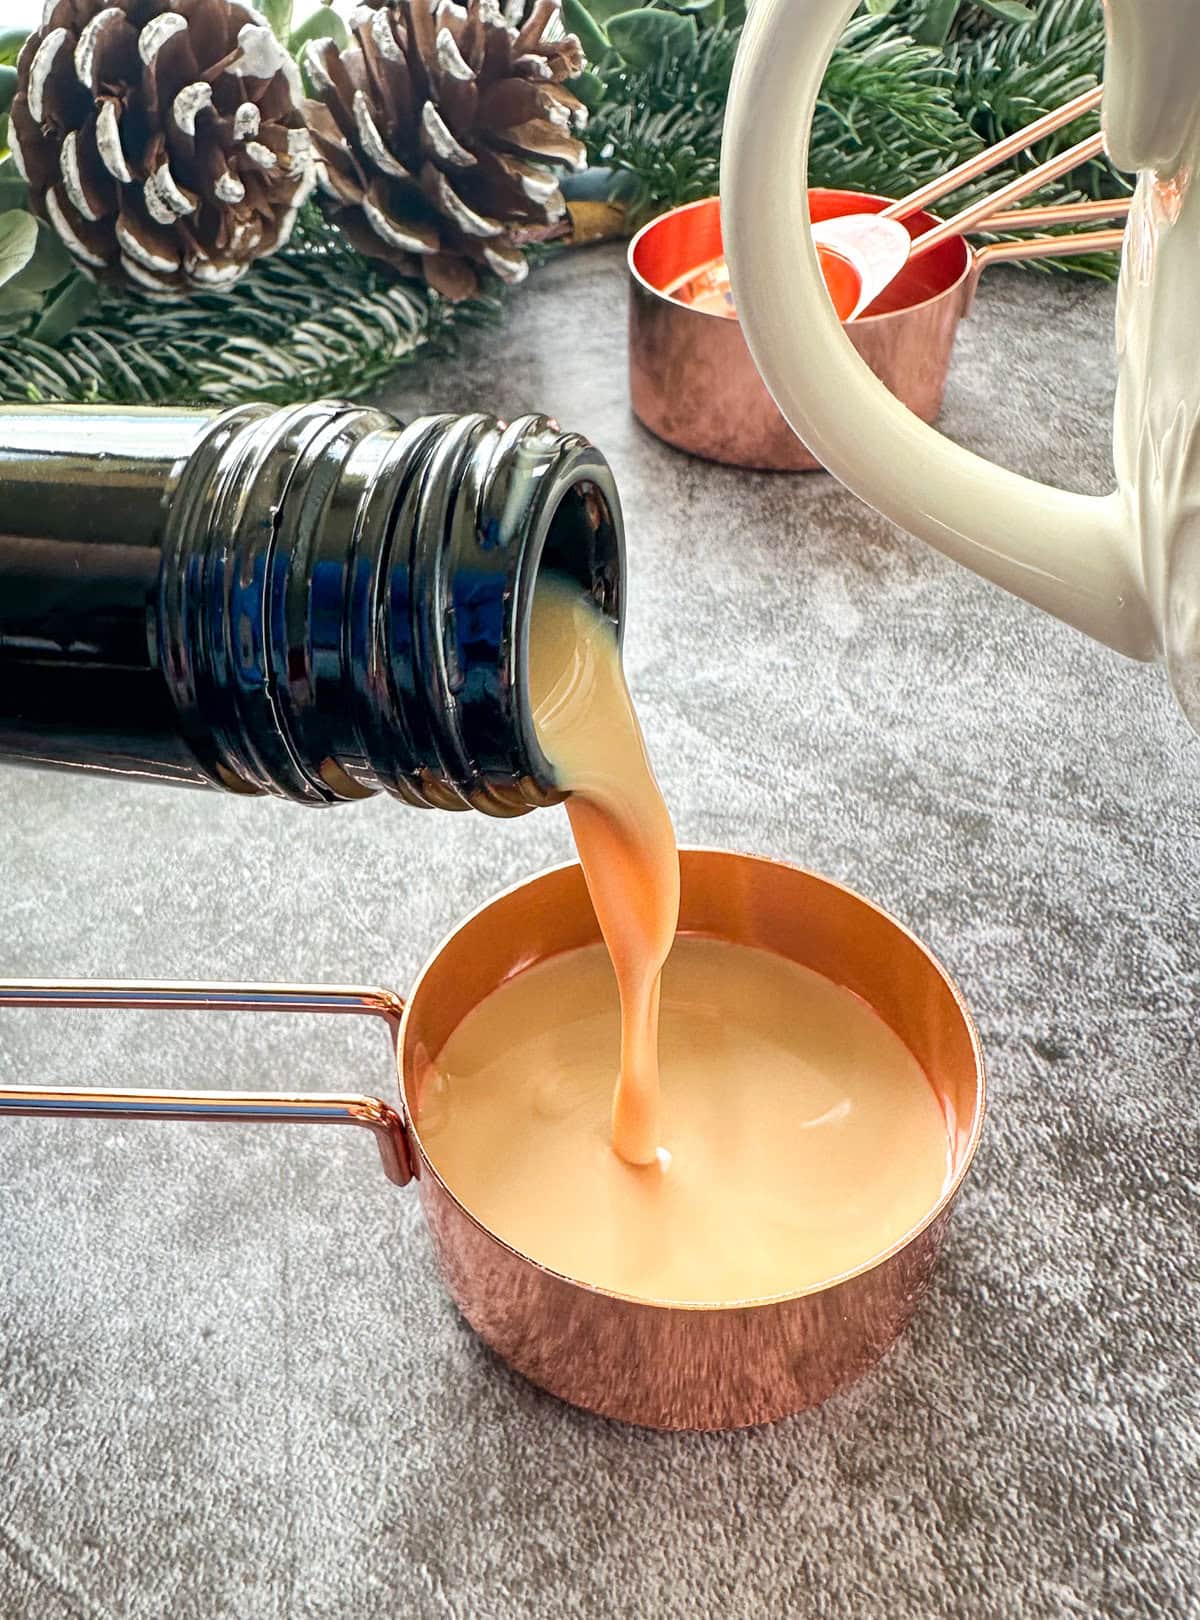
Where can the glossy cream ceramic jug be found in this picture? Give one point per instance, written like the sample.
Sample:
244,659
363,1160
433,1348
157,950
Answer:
1124,567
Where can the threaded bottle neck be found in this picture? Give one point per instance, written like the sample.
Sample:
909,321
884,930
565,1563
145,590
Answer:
344,602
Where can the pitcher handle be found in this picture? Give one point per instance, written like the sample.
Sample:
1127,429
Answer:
1073,555
303,1108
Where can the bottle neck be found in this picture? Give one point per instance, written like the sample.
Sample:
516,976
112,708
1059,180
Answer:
340,603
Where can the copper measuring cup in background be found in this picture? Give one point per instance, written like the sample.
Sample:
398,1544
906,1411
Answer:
666,1366
693,383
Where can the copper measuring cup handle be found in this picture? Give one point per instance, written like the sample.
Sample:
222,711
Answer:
1048,247
1037,247
304,1108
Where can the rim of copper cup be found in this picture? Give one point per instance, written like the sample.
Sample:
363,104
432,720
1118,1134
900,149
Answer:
947,1196
970,256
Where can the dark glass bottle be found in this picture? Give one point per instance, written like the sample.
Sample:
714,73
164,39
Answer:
317,602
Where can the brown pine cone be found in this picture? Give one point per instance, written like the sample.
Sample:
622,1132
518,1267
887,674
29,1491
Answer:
163,139
437,128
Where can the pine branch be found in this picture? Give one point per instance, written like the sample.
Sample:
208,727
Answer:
315,319
1006,78
879,72
661,126
886,113
886,120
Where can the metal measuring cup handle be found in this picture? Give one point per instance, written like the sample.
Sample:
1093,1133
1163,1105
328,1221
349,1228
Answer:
1018,249
302,1108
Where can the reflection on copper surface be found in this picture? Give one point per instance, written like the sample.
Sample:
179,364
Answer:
706,288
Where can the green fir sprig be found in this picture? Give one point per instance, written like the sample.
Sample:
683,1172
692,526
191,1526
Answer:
659,128
316,319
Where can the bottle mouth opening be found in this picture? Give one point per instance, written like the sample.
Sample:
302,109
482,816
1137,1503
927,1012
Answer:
579,539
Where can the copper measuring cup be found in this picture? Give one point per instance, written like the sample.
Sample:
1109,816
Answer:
666,1366
693,383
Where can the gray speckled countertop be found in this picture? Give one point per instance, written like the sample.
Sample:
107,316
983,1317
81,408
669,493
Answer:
230,1382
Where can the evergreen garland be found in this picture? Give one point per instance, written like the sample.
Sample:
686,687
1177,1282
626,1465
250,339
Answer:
914,87
315,319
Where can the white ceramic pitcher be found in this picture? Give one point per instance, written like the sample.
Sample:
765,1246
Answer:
1124,567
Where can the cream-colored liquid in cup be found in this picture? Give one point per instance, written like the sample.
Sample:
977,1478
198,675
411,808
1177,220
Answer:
801,1138
589,732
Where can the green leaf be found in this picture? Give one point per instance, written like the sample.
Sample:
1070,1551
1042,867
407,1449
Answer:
323,24
589,87
642,38
880,8
8,86
706,12
592,37
1007,10
279,14
48,264
14,193
18,239
602,11
11,40
938,20
17,304
65,311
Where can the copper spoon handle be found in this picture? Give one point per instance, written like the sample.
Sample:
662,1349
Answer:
1084,213
968,218
1049,247
984,162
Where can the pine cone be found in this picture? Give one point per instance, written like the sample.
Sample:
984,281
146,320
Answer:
163,139
435,128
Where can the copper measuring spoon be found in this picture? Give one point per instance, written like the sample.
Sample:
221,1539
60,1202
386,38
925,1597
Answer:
878,255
